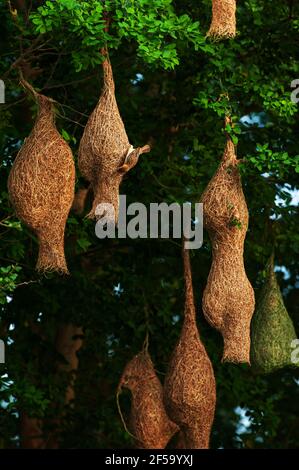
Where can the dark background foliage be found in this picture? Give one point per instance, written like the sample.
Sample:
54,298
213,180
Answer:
173,88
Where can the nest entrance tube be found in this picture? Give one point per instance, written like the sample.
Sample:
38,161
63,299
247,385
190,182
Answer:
41,185
228,299
105,153
223,25
189,388
51,255
272,330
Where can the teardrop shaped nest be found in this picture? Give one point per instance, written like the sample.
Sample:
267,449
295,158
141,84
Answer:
272,332
189,388
228,299
105,153
41,185
149,422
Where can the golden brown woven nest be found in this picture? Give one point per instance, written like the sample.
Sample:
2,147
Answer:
149,422
105,153
189,388
228,300
272,329
41,185
223,25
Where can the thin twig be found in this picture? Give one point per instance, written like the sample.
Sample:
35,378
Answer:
121,415
63,116
61,85
73,109
26,283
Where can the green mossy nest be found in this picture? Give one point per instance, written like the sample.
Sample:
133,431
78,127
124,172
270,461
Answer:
272,331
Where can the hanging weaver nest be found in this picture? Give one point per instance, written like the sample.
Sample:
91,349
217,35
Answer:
272,330
105,153
223,25
41,185
189,388
149,422
228,299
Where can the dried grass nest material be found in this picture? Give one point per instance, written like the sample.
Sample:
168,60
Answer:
189,388
149,422
105,153
223,25
41,185
228,299
272,330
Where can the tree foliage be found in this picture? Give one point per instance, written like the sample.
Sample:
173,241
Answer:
174,88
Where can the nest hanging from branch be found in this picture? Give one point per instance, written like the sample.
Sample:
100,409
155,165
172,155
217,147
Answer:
41,185
223,25
228,299
149,422
105,153
272,330
189,388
